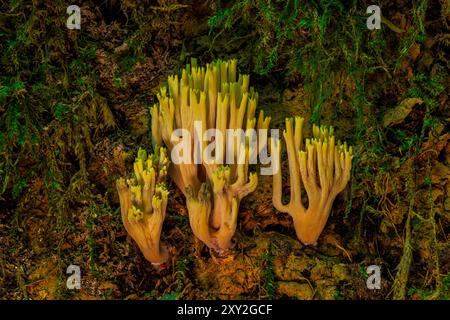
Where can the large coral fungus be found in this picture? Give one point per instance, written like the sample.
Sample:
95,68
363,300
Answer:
143,202
217,98
323,168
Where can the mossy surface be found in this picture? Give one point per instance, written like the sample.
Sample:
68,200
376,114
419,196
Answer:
74,111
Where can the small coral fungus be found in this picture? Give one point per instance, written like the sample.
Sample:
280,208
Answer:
143,201
322,168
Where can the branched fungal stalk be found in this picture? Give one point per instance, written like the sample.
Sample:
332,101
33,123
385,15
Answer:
322,168
217,98
143,202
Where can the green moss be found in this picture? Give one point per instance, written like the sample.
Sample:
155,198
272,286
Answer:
268,274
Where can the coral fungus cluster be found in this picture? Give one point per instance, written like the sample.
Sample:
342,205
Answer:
217,98
322,167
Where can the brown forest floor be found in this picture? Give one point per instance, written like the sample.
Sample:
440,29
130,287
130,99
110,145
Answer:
58,205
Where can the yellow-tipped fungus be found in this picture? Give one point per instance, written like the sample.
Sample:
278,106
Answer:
143,201
214,97
322,167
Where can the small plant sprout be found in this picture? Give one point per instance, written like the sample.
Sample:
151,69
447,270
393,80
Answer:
143,202
322,167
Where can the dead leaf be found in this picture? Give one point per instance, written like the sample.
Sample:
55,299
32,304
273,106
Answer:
440,172
108,286
414,51
399,113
